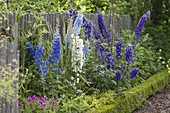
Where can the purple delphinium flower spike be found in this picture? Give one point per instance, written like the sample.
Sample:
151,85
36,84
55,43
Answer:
105,55
118,49
87,25
140,26
109,59
103,28
118,75
30,49
134,72
77,25
100,51
128,54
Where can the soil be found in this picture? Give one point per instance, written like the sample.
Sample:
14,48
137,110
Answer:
159,103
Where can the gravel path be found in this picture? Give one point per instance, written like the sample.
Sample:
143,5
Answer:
159,103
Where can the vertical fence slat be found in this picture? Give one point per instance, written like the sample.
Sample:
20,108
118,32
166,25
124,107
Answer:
9,62
14,108
3,55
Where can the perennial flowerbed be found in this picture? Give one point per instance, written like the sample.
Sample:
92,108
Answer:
82,65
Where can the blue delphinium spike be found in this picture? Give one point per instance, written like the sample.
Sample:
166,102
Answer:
118,75
38,58
55,49
87,25
100,51
30,49
118,49
140,26
77,25
134,72
109,59
102,27
128,54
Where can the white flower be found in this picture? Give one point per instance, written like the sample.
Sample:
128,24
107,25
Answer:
77,53
72,78
163,62
160,50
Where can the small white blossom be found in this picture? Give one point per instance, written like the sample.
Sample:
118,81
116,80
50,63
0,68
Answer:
163,62
72,78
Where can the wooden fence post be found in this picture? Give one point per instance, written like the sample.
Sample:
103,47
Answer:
8,53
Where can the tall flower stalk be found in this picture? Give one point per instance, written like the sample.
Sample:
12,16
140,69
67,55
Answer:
140,26
102,27
55,51
77,25
77,54
118,49
129,54
77,45
87,25
38,58
118,75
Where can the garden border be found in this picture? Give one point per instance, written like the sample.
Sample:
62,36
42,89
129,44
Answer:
133,98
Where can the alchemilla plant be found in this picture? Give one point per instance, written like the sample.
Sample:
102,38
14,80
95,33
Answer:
9,82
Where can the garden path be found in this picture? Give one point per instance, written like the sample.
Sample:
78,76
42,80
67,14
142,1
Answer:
159,103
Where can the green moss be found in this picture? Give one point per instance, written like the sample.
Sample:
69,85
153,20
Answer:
132,98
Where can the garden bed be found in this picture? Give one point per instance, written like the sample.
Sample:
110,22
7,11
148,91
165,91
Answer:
133,98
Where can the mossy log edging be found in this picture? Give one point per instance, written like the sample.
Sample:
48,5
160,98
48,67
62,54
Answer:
135,97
